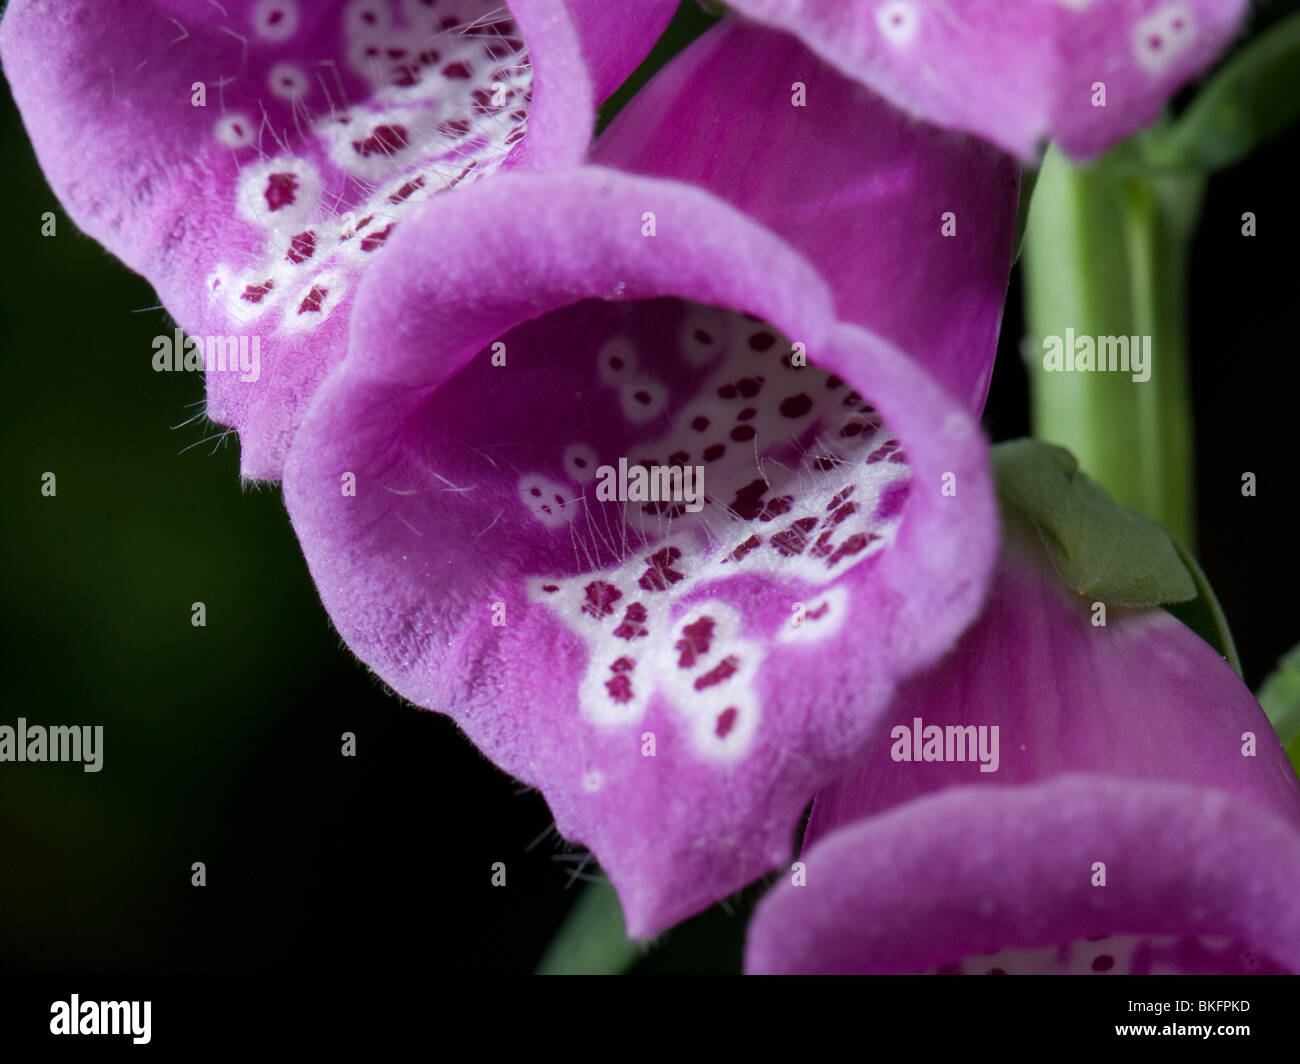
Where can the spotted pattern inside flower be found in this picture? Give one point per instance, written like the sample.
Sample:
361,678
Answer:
333,152
802,483
1123,955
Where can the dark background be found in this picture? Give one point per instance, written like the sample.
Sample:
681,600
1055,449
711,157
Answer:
222,743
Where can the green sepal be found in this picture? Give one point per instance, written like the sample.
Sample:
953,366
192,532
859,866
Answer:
1280,697
1102,550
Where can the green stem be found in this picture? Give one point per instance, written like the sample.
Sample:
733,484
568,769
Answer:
1106,255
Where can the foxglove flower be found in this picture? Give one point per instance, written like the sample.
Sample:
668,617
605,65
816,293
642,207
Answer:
1086,73
676,681
252,157
1142,816
677,675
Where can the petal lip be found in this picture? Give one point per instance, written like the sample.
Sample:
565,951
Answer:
972,870
147,174
511,251
1016,74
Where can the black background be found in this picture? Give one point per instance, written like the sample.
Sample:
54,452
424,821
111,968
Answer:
222,743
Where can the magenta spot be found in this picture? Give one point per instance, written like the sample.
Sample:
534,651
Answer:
1155,42
727,391
302,247
761,341
782,504
795,406
633,625
550,587
661,572
386,139
741,433
255,292
376,239
313,300
700,424
840,514
281,190
620,687
749,386
746,414
724,669
600,598
853,545
623,665
748,502
726,721
703,337
1103,963
749,545
642,397
406,191
794,539
456,71
695,642
714,452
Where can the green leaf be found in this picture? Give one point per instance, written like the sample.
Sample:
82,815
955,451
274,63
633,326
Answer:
593,939
1280,697
1102,550
1251,100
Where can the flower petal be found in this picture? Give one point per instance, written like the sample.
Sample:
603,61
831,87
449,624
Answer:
616,36
980,880
912,226
252,157
1017,73
1124,744
478,571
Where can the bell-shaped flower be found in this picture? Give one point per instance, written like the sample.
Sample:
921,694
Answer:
655,526
1085,73
1072,789
252,157
614,475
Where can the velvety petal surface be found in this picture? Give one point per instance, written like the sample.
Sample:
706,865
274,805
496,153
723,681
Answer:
252,157
912,226
677,683
1017,73
1124,745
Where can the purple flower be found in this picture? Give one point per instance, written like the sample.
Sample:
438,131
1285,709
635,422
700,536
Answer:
252,157
1086,73
677,682
1141,817
613,474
